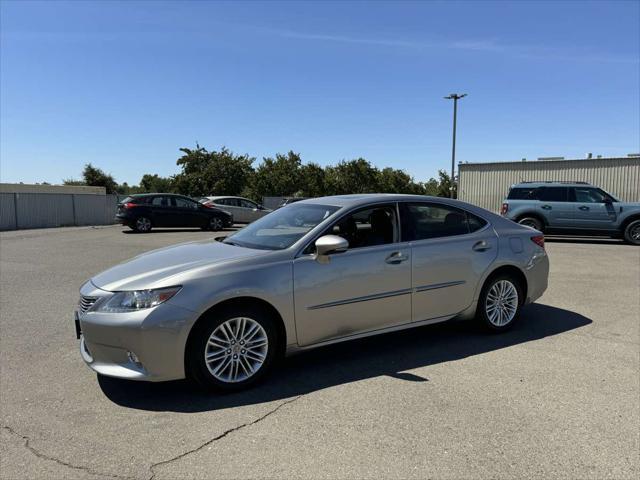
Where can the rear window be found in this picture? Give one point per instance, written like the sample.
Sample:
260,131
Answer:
135,200
553,194
526,193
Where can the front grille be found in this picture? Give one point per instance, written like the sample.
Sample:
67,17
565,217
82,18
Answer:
86,303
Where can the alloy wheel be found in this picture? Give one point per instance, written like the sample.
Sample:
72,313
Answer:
143,224
236,350
216,223
501,303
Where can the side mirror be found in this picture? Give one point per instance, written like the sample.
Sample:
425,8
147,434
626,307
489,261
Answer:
329,244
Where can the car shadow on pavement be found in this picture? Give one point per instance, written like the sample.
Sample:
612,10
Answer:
390,354
585,240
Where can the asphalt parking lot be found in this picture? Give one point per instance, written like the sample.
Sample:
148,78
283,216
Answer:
559,395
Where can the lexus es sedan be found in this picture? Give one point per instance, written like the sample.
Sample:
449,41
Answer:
320,271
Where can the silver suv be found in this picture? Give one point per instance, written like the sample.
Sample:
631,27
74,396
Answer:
572,208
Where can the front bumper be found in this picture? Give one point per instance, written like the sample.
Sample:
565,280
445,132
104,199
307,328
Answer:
143,345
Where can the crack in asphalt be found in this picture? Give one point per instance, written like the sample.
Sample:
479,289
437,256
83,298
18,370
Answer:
219,437
39,454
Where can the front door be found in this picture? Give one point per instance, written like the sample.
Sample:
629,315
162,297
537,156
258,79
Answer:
591,209
186,213
366,288
451,250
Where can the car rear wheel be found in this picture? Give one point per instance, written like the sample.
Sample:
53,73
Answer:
531,222
632,232
232,350
499,303
142,225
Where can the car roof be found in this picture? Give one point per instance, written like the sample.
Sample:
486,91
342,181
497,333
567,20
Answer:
367,198
555,183
218,197
154,194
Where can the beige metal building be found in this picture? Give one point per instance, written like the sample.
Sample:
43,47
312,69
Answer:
487,184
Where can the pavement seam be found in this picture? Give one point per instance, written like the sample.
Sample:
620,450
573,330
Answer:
39,454
219,437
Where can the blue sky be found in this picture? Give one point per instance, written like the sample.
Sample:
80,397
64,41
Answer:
123,85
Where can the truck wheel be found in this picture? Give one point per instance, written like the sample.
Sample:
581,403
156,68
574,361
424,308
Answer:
531,222
632,233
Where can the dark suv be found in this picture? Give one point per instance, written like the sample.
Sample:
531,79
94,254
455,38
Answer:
143,212
572,208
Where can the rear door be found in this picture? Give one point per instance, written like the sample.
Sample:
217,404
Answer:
450,251
591,208
232,205
553,204
161,211
186,213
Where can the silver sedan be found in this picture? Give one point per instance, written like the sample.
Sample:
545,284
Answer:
319,271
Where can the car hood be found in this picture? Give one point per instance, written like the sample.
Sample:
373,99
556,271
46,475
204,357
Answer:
154,269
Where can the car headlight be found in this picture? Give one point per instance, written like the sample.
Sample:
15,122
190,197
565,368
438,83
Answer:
135,300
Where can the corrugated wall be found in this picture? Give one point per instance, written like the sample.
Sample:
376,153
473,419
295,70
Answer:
42,210
487,184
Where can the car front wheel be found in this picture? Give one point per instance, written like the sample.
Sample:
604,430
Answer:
632,233
499,303
232,350
216,223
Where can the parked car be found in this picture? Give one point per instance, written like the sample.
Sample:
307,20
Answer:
320,271
242,209
572,208
290,200
145,211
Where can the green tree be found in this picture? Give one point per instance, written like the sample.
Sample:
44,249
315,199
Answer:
212,173
278,177
391,180
440,187
313,181
155,184
353,176
94,177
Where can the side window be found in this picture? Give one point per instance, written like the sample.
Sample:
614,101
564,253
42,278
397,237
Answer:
475,222
160,201
231,202
368,227
529,193
587,195
428,220
553,194
247,204
183,203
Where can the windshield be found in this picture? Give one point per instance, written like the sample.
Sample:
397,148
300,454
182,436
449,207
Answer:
282,228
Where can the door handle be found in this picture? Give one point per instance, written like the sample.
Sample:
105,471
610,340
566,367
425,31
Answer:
546,207
481,246
583,208
396,258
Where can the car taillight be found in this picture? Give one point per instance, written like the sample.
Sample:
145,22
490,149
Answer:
538,240
504,209
208,205
130,205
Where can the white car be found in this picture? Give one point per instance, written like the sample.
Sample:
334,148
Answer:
242,209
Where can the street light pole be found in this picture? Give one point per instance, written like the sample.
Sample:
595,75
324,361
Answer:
455,97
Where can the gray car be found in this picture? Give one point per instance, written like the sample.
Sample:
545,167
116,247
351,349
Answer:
319,271
572,208
242,209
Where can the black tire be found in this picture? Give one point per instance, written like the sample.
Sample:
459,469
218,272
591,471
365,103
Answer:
483,313
632,232
142,224
532,222
215,224
195,364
